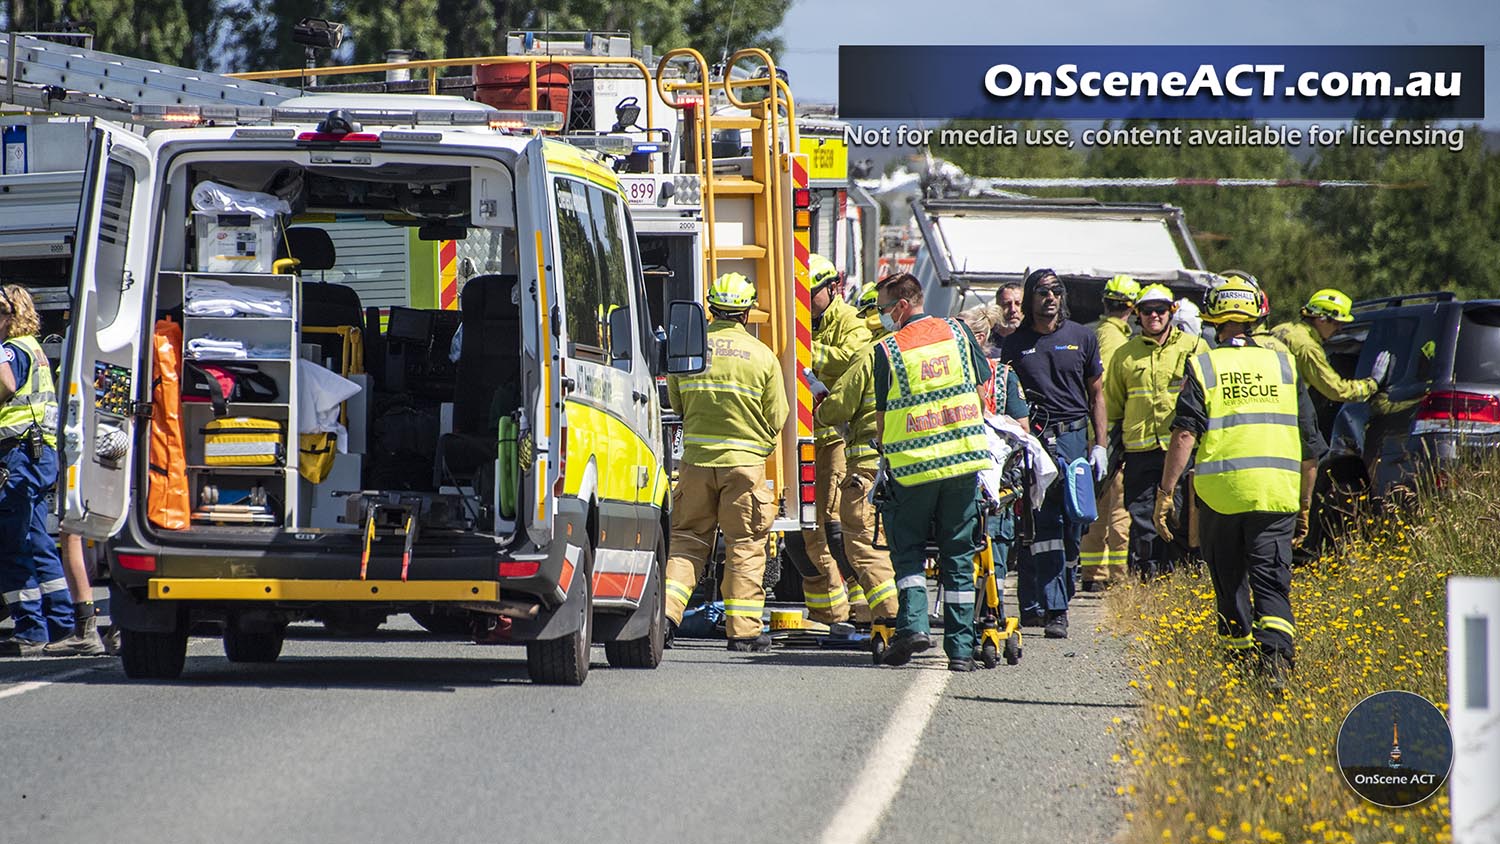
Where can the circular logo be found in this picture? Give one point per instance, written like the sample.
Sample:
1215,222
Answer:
1395,749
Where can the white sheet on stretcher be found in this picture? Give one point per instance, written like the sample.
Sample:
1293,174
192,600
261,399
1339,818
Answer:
1006,435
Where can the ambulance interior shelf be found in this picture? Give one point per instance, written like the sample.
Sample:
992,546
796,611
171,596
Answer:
241,468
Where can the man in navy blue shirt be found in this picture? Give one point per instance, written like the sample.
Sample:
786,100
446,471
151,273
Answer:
1058,363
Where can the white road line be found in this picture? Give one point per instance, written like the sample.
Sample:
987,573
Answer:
33,685
878,783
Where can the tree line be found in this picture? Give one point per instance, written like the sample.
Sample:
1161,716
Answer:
244,35
1435,227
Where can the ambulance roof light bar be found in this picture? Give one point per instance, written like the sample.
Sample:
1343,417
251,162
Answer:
200,115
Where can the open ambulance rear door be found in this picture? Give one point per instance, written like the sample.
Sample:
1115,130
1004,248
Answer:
104,393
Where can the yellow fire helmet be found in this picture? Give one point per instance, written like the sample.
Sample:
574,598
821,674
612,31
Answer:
1236,300
1330,303
732,292
1122,288
1264,300
867,298
821,271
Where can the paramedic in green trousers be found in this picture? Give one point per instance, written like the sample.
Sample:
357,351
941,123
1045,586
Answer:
930,406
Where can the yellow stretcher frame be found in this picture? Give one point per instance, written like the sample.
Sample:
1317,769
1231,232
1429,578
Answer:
280,589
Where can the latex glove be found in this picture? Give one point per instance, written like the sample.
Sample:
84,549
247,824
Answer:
1380,370
1164,514
1099,459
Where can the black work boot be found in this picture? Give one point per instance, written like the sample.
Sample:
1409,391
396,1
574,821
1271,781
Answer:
1275,670
670,636
85,640
961,663
1057,625
759,644
1033,619
13,646
904,645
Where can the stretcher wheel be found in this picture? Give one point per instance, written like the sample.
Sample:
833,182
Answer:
878,647
1012,650
988,656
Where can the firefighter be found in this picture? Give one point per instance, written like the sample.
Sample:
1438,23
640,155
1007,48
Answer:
838,336
1241,411
1140,399
928,393
851,402
1104,553
31,573
731,416
1324,312
1058,363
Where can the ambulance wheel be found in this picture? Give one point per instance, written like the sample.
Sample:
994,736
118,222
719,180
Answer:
988,656
565,661
1012,651
240,646
153,656
646,651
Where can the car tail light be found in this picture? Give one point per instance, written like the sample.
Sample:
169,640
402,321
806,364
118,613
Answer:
1456,406
519,568
136,562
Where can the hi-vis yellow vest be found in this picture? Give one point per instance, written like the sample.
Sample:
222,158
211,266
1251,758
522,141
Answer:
934,423
1250,457
35,402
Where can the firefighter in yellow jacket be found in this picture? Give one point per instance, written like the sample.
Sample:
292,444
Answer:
1325,311
928,375
851,402
1105,550
838,336
1241,409
731,417
1140,398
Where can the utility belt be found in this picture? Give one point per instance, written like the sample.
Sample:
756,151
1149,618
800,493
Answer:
1061,428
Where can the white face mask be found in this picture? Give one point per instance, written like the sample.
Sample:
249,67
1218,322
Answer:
888,322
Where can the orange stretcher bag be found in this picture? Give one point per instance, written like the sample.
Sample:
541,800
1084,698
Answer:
168,504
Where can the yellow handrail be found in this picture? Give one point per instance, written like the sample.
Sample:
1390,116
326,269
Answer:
703,153
432,66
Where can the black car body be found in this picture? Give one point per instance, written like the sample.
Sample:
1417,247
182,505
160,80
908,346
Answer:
1442,402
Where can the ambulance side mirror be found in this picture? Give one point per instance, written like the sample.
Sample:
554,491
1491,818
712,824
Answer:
687,339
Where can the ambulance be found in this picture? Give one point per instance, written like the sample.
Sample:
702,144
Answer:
498,467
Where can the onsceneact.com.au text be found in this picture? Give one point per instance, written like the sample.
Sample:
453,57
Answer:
1241,80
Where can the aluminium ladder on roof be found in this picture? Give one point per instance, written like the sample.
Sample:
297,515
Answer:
61,78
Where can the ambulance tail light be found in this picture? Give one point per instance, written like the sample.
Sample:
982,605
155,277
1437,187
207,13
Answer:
519,568
807,474
339,138
802,198
136,562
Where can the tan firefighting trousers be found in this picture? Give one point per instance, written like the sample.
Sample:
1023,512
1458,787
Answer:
877,577
1105,549
824,593
734,500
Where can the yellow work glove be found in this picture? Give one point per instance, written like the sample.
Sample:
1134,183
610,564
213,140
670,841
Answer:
1164,514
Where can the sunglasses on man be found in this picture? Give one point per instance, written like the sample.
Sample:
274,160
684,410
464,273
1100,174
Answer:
1153,310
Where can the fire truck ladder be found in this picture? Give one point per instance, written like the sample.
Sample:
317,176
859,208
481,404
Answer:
748,224
63,79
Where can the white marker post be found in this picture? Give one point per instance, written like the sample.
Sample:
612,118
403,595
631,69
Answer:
1474,707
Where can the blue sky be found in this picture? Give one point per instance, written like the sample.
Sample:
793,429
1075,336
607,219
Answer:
814,29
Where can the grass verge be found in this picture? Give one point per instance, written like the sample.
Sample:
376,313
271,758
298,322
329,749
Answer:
1214,757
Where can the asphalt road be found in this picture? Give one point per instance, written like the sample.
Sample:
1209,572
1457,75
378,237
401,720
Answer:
406,738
